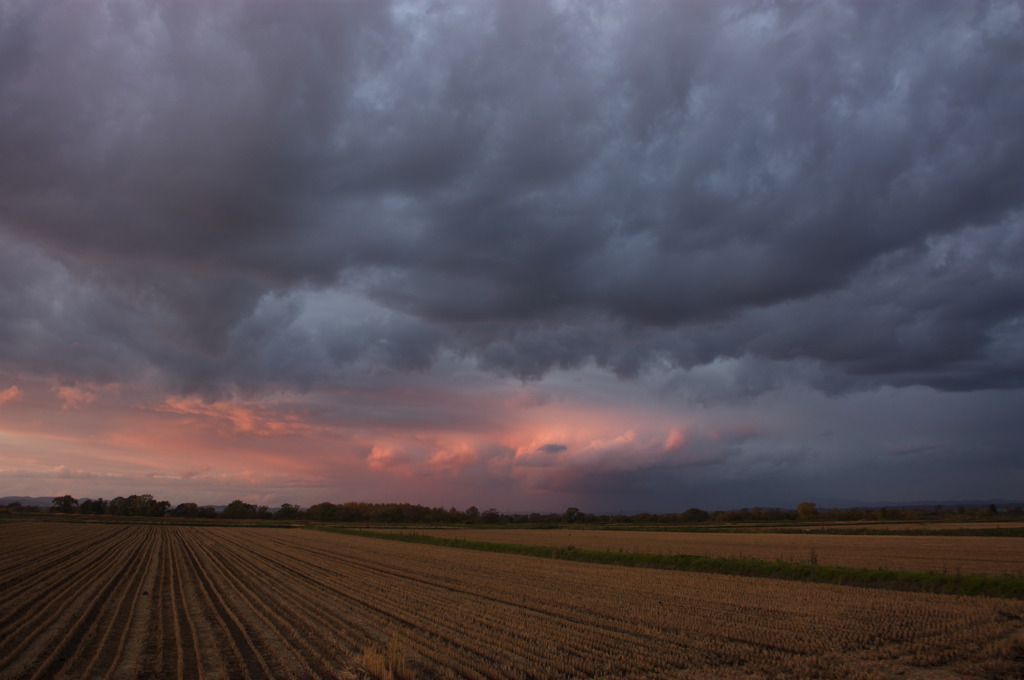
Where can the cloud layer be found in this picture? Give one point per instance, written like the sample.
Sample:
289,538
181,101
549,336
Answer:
235,200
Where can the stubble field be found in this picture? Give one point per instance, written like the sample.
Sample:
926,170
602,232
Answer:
148,601
993,556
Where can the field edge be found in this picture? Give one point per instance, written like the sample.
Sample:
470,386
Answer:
975,585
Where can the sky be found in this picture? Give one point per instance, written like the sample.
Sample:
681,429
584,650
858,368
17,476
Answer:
622,256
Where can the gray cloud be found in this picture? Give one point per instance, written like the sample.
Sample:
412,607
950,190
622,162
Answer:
187,187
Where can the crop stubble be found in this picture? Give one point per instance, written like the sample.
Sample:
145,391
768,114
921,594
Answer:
124,601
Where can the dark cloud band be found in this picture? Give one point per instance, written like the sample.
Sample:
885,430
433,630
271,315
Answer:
532,185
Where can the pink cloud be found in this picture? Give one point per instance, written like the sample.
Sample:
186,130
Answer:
428,442
193,474
74,398
12,393
454,457
607,448
261,419
391,458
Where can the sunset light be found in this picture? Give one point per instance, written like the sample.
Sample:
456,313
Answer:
624,256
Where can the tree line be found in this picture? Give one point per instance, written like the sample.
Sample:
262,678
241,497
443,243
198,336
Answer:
145,505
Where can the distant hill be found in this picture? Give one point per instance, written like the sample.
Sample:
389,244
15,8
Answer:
38,501
845,503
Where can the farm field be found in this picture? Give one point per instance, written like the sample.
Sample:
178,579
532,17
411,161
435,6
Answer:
937,526
151,601
853,526
994,556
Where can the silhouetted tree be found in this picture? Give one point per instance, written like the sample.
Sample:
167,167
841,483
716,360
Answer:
139,505
186,510
64,503
572,515
96,506
288,511
158,508
321,512
807,511
694,515
238,509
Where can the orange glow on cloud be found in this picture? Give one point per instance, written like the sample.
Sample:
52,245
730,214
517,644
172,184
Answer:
12,393
353,443
264,421
595,436
391,458
75,397
676,439
454,457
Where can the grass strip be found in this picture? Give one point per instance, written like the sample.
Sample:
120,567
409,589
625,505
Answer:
1014,532
909,581
1005,532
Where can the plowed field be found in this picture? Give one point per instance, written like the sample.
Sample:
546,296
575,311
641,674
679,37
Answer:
136,601
993,556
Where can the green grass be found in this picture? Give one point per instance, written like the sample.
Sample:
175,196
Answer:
872,529
1009,532
1016,532
929,582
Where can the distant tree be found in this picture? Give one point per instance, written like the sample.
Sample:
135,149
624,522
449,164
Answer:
491,516
322,512
438,514
139,505
355,512
807,511
158,508
572,515
472,514
97,506
65,504
185,510
390,512
695,515
238,509
288,511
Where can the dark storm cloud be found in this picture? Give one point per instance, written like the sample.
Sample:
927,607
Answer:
532,185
